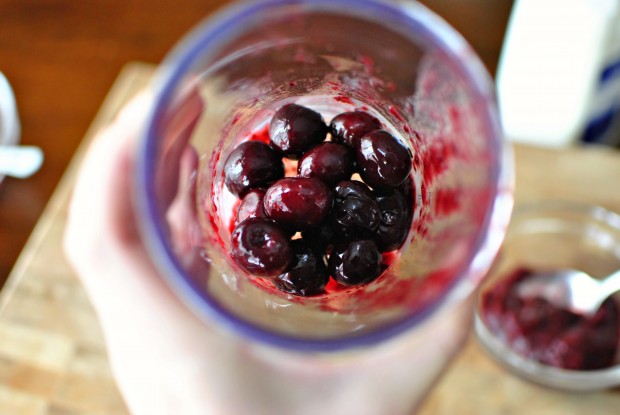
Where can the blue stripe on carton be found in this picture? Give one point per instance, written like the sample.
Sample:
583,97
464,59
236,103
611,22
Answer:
598,126
610,71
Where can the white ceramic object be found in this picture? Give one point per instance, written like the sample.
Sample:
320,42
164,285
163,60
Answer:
16,161
10,128
20,161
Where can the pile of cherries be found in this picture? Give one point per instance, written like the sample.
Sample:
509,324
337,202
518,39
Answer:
298,231
538,330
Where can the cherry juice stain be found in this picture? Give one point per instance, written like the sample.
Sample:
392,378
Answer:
447,201
344,99
396,113
261,135
536,329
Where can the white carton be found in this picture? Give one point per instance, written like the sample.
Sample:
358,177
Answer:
558,78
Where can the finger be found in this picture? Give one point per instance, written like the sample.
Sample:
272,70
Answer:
100,194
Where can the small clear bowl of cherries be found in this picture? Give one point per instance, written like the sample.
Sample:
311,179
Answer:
532,336
319,203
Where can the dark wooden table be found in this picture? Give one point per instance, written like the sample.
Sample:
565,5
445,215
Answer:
62,56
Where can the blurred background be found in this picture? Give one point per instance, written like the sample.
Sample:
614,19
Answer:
62,56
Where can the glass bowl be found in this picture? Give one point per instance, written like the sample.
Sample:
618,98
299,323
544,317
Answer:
546,236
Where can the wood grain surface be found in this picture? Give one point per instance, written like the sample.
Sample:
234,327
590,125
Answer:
52,355
62,56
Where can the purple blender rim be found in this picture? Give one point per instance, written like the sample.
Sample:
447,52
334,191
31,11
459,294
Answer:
223,26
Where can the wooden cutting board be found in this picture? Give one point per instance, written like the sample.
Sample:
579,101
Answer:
53,358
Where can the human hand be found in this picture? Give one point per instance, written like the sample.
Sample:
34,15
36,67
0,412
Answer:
157,348
167,361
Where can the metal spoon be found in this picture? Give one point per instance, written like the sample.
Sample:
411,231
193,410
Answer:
20,161
569,289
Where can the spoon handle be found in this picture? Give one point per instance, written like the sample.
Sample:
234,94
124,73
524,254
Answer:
611,284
